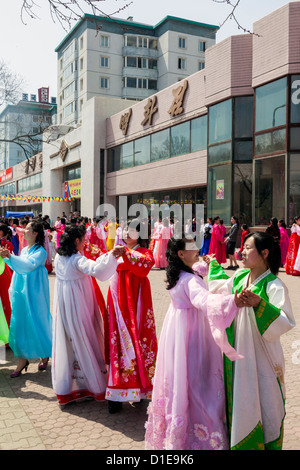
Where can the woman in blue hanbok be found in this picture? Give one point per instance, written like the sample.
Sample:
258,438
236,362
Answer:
30,335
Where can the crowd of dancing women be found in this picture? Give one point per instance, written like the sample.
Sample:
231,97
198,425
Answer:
215,378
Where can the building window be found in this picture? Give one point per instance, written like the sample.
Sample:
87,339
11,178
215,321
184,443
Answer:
131,62
104,61
81,64
182,43
180,139
127,159
270,105
294,187
220,127
131,82
104,82
199,133
269,189
81,42
201,65
181,63
160,145
202,46
104,41
142,151
32,182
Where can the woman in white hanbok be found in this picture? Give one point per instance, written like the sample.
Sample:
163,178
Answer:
78,364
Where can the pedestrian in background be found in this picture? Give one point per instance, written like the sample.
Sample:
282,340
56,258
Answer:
284,241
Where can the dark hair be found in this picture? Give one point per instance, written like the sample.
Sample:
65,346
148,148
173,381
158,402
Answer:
245,227
136,224
67,240
6,231
265,241
282,223
274,221
175,264
236,219
38,228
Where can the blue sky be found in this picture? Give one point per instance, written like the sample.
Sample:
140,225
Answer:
28,48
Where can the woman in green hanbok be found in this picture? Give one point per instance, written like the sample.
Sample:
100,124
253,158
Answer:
254,384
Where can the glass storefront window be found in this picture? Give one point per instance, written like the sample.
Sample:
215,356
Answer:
9,188
219,192
269,189
199,134
32,182
270,142
113,159
160,145
142,151
220,117
243,150
127,155
219,153
270,105
242,192
243,116
180,139
294,187
295,138
295,99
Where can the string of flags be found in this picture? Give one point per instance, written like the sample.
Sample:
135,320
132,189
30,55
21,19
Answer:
28,198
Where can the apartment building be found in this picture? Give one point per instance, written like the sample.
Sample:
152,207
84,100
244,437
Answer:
21,127
123,59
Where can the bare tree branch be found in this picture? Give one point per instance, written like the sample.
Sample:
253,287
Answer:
232,15
67,11
10,85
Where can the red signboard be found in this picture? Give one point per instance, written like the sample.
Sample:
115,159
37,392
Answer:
43,95
6,175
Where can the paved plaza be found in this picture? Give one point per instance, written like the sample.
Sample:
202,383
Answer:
31,419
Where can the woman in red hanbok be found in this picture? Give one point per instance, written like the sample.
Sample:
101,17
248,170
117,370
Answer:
5,277
292,265
217,245
133,342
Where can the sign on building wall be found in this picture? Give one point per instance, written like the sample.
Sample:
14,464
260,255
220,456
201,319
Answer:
6,175
73,188
43,95
220,189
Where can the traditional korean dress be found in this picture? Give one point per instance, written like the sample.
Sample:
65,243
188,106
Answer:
216,244
187,411
30,335
78,361
133,343
284,244
292,264
5,280
254,385
3,323
162,242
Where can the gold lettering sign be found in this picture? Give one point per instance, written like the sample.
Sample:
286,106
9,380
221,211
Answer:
124,121
177,105
150,109
63,150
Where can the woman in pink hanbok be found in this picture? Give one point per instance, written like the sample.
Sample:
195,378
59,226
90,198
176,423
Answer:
79,369
164,237
284,241
187,411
